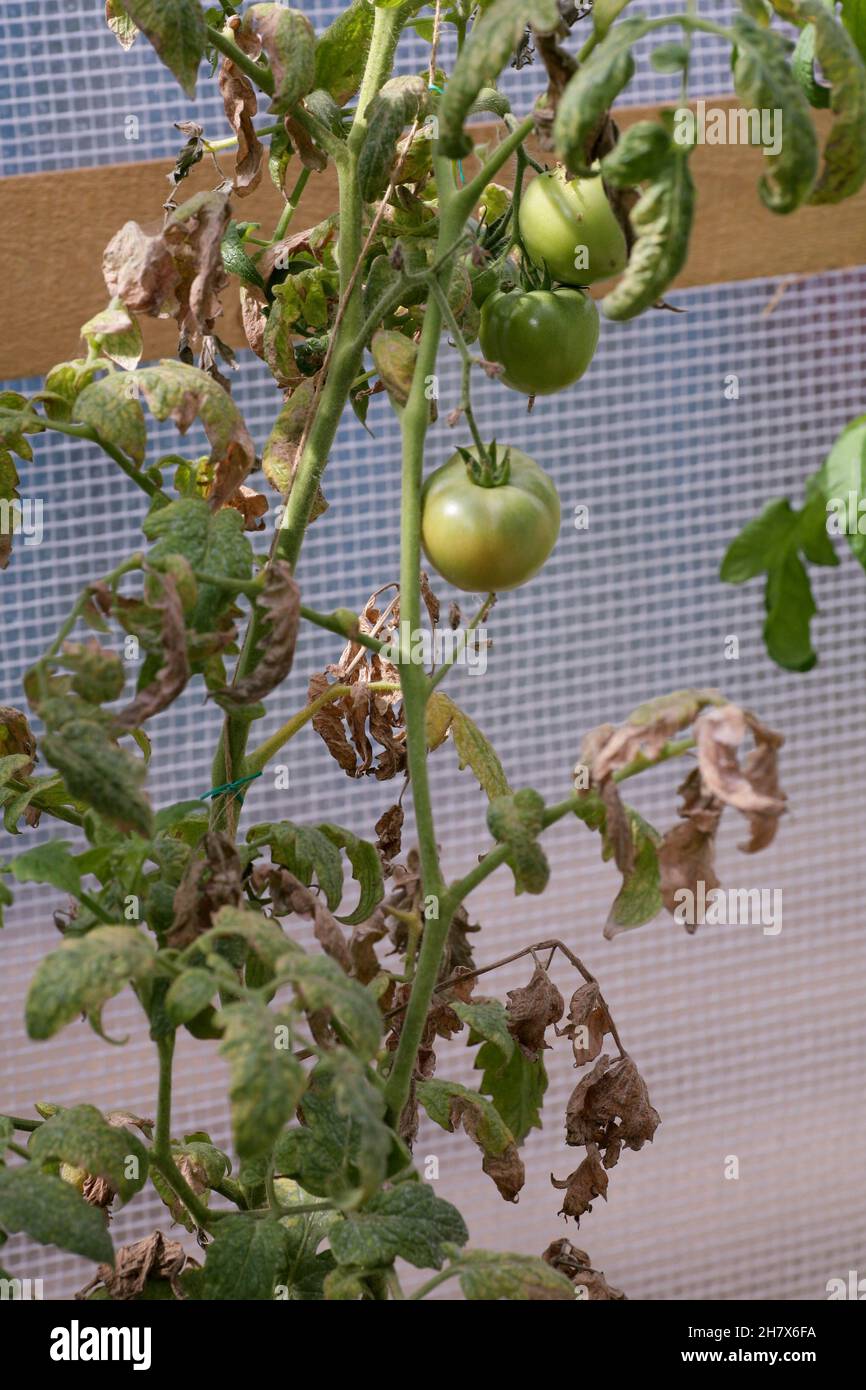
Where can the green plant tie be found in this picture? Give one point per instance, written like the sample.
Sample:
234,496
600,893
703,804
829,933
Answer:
230,786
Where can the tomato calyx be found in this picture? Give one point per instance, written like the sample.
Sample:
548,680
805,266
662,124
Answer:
487,468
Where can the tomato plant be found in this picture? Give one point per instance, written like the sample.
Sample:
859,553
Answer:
330,1031
568,226
544,339
489,536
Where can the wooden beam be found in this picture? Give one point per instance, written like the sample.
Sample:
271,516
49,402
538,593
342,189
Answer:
57,224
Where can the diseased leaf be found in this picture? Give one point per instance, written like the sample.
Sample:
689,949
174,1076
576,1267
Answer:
120,23
244,1261
211,881
267,1080
189,994
394,357
610,1107
241,104
99,773
531,1010
341,51
582,1187
99,674
687,853
661,220
49,863
289,40
176,28
323,987
398,103
639,899
52,1212
114,334
449,1104
82,974
81,1137
588,1283
10,505
763,81
407,1222
279,605
493,39
173,673
366,870
842,67
473,749
212,544
493,1275
588,1022
148,1268
753,789
516,820
592,91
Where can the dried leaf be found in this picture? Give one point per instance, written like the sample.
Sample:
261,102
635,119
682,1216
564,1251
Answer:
388,837
581,1187
290,895
687,853
574,1264
209,883
280,603
174,672
588,1021
754,789
531,1010
193,234
241,104
16,736
156,1257
611,1103
645,732
138,268
252,506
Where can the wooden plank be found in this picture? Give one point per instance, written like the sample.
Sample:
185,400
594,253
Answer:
57,224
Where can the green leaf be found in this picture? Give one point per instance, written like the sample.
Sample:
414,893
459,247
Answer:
112,406
68,380
394,357
267,1081
487,1020
176,28
289,41
491,43
438,1099
6,900
790,609
341,51
234,255
473,749
244,1260
397,104
263,935
115,334
844,169
98,673
322,985
592,91
854,19
82,974
604,12
763,80
215,544
516,821
843,484
49,863
762,544
408,1222
662,222
306,851
492,1275
99,773
639,899
342,1149
515,1086
189,994
366,871
9,495
81,1137
52,1212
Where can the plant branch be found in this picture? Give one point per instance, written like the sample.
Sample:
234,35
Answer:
265,751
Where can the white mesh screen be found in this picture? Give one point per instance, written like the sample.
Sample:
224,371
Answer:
752,1045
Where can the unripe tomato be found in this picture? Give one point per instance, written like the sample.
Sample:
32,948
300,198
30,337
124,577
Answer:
560,216
484,539
545,339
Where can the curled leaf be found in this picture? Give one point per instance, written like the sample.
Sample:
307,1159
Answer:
531,1010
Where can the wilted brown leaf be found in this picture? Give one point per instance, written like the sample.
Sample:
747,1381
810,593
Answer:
288,894
754,790
687,853
531,1010
280,603
241,105
582,1187
388,836
646,731
173,674
588,1021
156,1257
211,880
139,269
611,1103
575,1265
193,233
252,506
16,736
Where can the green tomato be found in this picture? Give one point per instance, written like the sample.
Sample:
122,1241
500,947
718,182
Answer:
569,226
484,539
544,339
